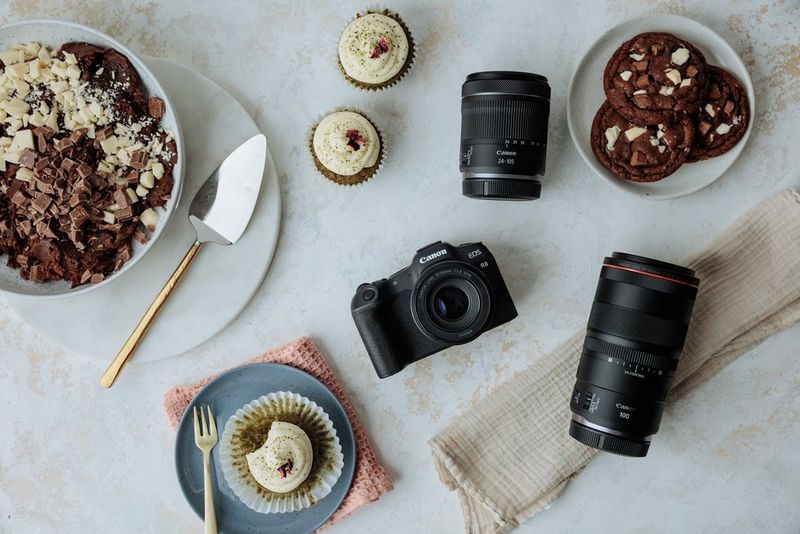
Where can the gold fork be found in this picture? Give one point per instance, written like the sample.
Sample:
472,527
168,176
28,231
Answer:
205,437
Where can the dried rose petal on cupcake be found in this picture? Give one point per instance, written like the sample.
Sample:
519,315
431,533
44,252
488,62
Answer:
346,147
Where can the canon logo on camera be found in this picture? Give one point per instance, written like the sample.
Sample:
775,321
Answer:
429,257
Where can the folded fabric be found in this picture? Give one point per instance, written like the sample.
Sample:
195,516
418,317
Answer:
510,455
370,480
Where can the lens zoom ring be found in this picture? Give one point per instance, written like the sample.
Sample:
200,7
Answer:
630,355
636,326
507,118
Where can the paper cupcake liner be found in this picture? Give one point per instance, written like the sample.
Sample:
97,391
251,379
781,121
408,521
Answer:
412,52
362,176
246,431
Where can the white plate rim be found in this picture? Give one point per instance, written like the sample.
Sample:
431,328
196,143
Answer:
653,20
177,176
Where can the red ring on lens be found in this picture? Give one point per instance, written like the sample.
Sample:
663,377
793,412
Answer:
652,275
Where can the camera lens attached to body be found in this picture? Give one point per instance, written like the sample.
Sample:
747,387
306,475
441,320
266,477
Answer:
452,303
636,330
504,118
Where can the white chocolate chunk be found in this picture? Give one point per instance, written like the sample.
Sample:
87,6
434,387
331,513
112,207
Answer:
16,107
141,191
12,156
686,82
626,75
636,57
723,128
640,92
150,218
110,145
146,179
132,195
158,167
661,149
22,139
673,75
17,70
653,141
109,217
634,132
24,174
666,90
9,57
710,110
680,56
611,137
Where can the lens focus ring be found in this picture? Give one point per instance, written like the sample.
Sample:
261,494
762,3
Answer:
501,117
636,326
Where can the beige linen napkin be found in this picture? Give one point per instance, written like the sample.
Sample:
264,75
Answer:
510,455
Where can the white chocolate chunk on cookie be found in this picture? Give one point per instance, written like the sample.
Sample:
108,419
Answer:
634,132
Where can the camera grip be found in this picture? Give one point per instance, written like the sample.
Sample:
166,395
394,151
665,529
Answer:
381,344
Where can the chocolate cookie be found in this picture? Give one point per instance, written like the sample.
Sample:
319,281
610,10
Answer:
656,78
723,117
639,153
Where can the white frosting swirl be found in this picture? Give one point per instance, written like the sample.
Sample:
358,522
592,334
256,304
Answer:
344,154
284,461
373,48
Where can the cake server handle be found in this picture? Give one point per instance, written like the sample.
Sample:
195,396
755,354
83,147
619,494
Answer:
135,339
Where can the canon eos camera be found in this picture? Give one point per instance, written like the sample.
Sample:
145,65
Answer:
447,296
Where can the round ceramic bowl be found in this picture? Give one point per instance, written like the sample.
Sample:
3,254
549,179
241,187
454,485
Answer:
54,33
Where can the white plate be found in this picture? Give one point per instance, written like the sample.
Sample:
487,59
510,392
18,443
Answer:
54,33
586,95
222,279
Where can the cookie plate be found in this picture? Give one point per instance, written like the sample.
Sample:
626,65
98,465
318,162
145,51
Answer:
586,94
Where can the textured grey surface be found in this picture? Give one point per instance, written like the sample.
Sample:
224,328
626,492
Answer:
79,459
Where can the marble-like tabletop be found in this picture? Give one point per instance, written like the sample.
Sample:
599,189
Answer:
77,458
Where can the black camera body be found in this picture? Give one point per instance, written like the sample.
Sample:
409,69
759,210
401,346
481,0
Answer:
447,296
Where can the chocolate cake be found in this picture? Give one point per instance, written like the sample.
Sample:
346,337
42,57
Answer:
84,161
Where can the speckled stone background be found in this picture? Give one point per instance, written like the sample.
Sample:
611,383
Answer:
76,458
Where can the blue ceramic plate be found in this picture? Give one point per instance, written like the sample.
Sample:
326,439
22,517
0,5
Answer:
228,393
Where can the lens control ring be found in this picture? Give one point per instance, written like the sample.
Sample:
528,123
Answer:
598,346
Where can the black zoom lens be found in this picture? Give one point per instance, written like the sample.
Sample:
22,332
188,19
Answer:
634,338
504,119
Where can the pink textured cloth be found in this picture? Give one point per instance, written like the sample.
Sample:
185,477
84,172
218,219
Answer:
370,480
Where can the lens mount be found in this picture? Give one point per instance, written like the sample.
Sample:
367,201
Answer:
606,439
451,303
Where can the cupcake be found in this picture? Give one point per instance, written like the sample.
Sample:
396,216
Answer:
346,147
280,453
376,50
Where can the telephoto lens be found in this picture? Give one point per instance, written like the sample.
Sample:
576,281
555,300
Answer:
634,338
504,119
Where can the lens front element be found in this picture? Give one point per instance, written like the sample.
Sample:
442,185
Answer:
636,330
451,303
